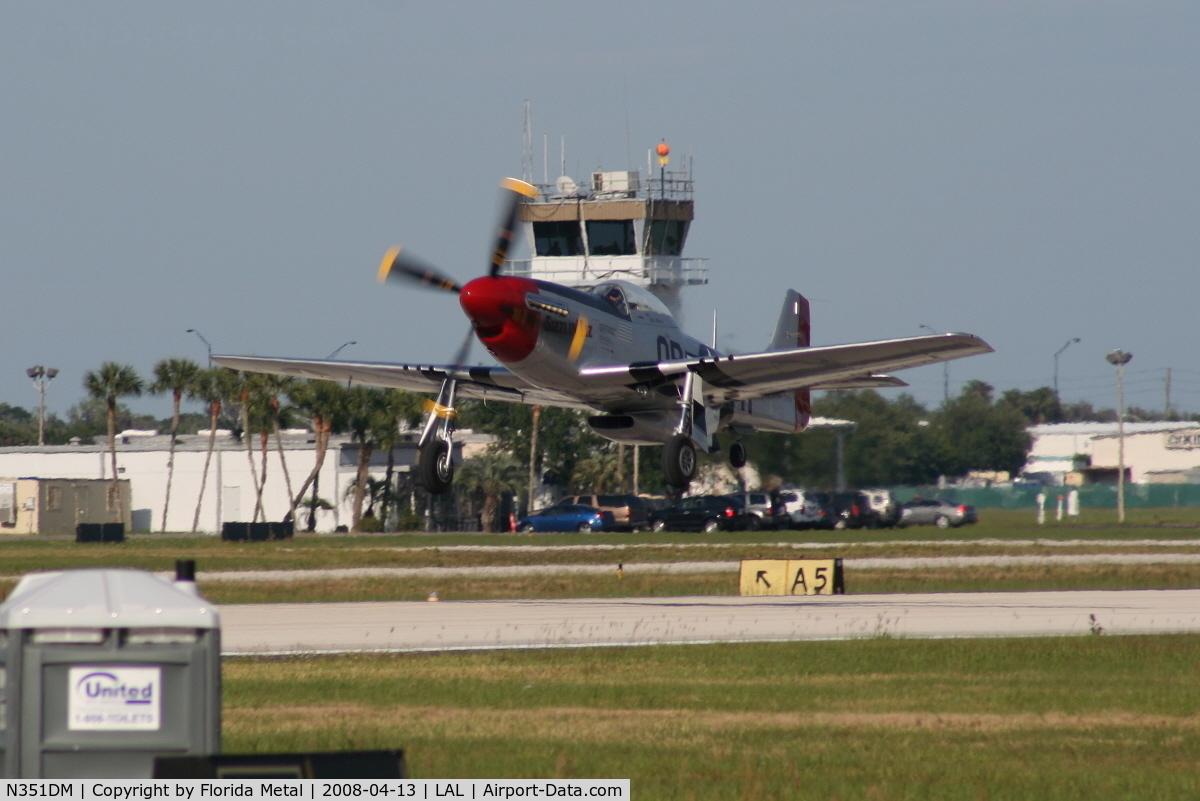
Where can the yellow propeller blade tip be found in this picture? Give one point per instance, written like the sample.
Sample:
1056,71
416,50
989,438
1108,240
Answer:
581,332
385,266
514,185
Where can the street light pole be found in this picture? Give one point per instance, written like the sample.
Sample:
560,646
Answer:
945,369
41,377
1120,358
1058,353
205,341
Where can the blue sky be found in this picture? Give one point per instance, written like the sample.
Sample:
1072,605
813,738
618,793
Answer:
1024,171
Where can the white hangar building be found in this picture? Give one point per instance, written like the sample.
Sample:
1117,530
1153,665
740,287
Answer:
229,493
1087,453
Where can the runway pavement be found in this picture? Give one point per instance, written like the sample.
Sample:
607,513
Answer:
468,625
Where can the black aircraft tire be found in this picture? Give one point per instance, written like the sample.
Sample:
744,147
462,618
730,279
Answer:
737,455
679,461
436,467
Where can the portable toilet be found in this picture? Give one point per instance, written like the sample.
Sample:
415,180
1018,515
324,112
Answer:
103,670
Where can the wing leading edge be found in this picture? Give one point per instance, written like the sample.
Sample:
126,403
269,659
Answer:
484,383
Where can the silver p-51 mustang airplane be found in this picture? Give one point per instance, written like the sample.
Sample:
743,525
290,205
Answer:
617,352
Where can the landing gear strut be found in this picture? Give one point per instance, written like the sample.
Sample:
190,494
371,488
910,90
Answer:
679,452
435,464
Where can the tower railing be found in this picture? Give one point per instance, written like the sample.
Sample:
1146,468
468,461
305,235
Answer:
671,186
644,270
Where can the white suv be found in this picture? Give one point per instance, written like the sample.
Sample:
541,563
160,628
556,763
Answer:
796,510
885,506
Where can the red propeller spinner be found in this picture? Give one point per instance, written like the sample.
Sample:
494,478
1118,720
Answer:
503,323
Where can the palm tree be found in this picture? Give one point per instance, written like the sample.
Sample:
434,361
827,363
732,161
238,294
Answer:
598,472
272,387
254,397
241,392
325,403
399,406
367,413
111,382
210,386
174,376
490,474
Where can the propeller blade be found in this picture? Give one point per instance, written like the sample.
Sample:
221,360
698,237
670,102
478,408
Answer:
460,358
578,338
399,266
508,223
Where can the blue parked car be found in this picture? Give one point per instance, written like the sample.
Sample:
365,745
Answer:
583,519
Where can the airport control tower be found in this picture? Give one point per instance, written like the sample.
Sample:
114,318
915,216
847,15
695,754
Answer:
618,226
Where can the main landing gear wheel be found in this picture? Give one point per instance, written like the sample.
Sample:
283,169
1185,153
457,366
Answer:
436,466
679,461
737,455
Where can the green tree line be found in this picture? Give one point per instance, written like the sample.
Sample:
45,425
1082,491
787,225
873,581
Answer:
896,441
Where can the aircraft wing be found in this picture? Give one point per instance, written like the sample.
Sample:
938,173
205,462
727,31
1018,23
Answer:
728,378
484,383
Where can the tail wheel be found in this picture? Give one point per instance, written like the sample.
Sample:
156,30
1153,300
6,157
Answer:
436,466
737,455
679,460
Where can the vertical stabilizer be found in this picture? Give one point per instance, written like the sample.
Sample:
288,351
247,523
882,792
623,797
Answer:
794,330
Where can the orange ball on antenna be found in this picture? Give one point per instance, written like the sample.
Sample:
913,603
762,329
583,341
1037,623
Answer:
663,148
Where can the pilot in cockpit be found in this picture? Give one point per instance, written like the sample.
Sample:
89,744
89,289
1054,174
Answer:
616,297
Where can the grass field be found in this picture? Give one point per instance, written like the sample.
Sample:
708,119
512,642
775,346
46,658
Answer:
1000,532
971,579
159,552
1084,717
1048,718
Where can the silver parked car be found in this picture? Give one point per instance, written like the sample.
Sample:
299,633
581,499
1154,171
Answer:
943,514
760,510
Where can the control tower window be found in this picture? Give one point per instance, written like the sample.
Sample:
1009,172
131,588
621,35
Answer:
611,238
665,237
557,239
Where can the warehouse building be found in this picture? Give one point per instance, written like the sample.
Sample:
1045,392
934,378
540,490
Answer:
1087,453
47,475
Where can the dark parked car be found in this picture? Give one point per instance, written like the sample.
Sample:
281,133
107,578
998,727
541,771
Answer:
853,510
629,511
702,513
568,517
943,514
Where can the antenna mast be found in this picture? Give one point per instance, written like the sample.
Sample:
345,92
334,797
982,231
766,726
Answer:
527,149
